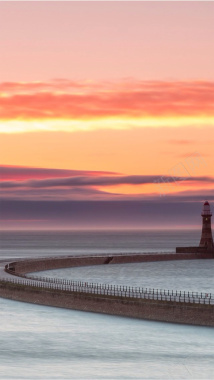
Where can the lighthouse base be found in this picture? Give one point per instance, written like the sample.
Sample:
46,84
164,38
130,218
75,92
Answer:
208,252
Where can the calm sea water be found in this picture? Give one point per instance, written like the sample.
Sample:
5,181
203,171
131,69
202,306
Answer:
39,342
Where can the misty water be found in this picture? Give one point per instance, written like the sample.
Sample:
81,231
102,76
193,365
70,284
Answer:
39,342
185,275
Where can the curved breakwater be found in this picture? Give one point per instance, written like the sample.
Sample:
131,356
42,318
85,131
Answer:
187,308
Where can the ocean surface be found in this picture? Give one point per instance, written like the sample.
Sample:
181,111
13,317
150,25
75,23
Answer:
39,342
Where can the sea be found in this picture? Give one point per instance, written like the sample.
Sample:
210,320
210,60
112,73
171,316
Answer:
40,342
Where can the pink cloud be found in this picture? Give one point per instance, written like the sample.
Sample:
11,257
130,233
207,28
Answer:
60,99
26,173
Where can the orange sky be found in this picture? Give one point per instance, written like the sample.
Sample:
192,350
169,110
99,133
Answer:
131,94
130,127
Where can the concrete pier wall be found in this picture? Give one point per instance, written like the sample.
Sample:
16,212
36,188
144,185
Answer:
31,265
159,310
164,311
201,250
36,265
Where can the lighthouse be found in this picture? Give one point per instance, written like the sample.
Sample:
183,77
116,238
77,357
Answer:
206,235
206,246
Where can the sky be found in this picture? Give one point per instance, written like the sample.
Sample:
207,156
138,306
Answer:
106,114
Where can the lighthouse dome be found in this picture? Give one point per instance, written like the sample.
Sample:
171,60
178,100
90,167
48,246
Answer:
206,209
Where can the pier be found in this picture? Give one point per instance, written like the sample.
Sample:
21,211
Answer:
146,303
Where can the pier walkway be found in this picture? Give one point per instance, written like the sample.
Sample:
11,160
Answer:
17,282
6,274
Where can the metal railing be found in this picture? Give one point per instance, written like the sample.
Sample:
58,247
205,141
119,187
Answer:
120,291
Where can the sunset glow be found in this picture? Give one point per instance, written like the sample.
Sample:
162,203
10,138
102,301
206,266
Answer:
116,105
